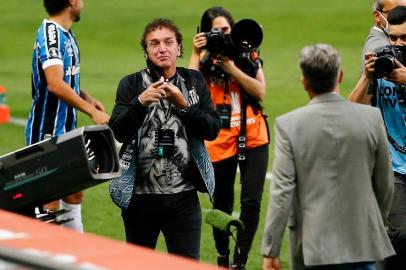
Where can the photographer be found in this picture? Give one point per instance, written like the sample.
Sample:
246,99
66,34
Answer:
378,35
389,95
236,92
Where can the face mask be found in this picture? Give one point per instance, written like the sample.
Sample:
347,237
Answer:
384,29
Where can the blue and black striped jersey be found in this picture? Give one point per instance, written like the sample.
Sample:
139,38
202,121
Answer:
49,114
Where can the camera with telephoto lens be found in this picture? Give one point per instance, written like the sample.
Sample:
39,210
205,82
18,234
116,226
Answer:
385,62
246,36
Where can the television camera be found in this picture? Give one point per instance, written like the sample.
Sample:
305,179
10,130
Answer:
58,166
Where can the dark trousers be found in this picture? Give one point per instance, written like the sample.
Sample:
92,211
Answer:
397,226
253,172
178,216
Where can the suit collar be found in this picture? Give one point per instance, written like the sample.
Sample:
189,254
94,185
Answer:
327,97
377,29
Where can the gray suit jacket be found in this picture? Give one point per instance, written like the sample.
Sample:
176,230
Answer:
375,41
332,177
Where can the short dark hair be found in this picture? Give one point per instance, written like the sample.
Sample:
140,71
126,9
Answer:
320,66
158,24
397,15
54,7
210,14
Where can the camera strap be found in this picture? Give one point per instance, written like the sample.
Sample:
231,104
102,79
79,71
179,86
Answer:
226,86
373,84
164,137
223,109
242,138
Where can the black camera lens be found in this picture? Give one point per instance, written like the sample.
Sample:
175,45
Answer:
384,66
245,36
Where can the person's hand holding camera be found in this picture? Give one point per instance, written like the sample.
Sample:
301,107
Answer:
226,64
398,75
370,58
152,94
199,41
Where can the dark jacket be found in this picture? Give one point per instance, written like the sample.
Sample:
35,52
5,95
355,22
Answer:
201,120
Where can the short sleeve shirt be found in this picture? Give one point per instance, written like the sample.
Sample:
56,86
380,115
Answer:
54,45
390,99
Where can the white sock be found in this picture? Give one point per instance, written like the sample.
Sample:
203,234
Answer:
75,213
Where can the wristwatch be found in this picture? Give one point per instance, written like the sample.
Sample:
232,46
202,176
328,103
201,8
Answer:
183,111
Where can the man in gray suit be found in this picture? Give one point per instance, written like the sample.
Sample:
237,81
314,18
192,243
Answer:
332,179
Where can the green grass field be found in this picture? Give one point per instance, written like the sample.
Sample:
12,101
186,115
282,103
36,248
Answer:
108,35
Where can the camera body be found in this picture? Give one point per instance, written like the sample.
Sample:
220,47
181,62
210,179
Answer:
385,62
246,36
219,43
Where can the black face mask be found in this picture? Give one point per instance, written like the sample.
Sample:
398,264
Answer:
155,75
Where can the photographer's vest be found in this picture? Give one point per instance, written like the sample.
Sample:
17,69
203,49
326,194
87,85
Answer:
225,145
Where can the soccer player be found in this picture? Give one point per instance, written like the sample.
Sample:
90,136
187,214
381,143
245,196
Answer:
55,88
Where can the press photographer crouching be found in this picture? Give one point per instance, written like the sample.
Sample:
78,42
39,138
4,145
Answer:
227,55
383,85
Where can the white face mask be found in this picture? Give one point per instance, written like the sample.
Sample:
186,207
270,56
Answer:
384,28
